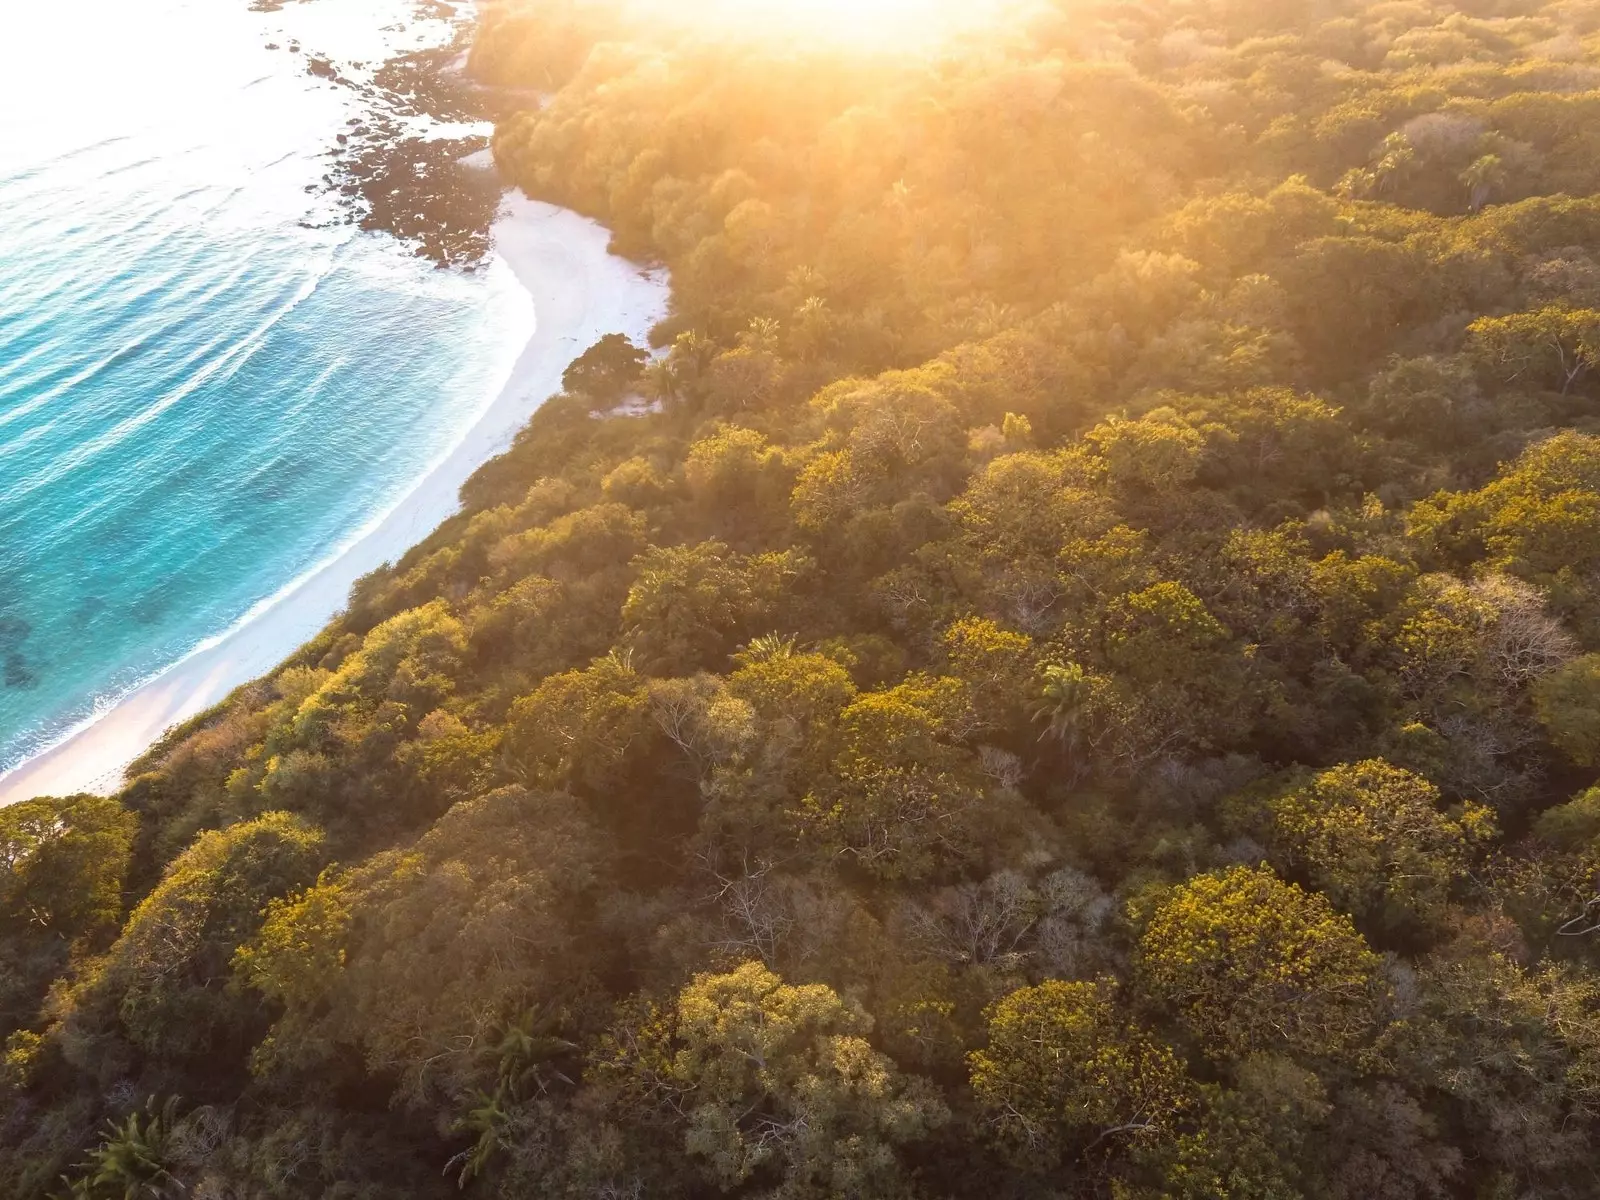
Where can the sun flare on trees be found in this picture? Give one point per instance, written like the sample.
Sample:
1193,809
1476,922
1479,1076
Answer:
851,24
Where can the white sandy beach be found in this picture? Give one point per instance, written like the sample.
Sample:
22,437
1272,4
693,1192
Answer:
580,292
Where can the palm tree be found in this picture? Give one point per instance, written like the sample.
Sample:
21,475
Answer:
527,1047
130,1162
690,356
524,1054
1482,179
1395,157
768,647
488,1119
660,381
761,335
1063,691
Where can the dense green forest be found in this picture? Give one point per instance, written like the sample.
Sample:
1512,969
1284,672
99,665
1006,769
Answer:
1083,681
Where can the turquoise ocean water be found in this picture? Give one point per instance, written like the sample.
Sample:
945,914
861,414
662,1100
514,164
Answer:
208,382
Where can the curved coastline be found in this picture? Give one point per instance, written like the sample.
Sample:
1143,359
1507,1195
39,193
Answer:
580,292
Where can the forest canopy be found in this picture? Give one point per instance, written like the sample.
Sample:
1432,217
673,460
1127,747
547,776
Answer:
1070,667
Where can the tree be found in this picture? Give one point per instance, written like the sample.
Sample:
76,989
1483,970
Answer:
1026,506
636,482
1485,176
578,727
1251,963
1352,293
777,1086
405,668
896,424
1159,453
63,863
1065,1070
1535,521
1518,1051
1390,165
830,488
689,603
996,664
782,683
1374,838
1087,716
295,960
606,369
482,904
1245,1143
1433,398
133,1160
1553,345
574,547
739,476
1574,825
1161,633
899,793
1523,642
162,985
450,760
1568,703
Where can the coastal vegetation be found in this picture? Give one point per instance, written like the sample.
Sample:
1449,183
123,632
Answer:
1073,670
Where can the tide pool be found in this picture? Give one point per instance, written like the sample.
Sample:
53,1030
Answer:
209,382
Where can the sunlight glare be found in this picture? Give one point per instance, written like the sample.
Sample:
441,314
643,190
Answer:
856,24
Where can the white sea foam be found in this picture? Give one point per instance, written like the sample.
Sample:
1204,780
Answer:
219,407
579,292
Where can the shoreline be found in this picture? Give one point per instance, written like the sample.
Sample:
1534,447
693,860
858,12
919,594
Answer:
579,292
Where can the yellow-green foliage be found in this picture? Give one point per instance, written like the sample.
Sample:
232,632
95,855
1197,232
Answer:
63,864
1374,838
1114,447
1568,703
165,979
1251,963
1064,1064
779,1084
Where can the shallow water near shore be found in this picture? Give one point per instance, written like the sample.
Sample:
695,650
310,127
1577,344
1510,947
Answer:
209,381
